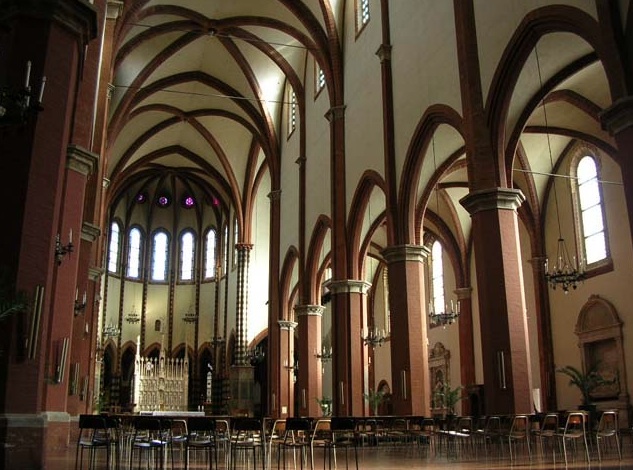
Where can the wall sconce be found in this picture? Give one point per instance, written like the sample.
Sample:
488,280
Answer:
17,105
80,307
63,250
325,355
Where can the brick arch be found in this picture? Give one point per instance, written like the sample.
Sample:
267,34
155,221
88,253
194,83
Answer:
310,289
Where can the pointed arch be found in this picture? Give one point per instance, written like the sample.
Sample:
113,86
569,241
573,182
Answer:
310,288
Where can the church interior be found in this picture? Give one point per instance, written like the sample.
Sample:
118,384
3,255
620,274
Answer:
288,207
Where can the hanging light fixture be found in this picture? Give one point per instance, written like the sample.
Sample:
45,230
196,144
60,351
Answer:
448,316
372,336
133,317
565,272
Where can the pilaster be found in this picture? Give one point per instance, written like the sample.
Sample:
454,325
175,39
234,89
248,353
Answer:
310,379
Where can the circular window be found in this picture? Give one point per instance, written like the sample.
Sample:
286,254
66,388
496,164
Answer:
163,201
141,198
188,202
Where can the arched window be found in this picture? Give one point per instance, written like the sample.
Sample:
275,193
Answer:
225,247
134,254
114,247
210,257
236,233
187,255
362,14
292,111
160,246
437,277
593,244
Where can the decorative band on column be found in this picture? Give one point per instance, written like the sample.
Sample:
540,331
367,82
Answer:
463,293
81,160
335,113
619,116
400,253
492,199
538,263
275,195
287,325
90,232
348,286
384,52
309,310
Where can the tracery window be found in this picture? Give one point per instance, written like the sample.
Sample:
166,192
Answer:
292,111
362,14
187,255
210,257
589,211
160,256
114,247
319,79
225,247
437,277
134,253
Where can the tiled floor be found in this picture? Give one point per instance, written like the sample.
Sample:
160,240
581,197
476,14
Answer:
412,456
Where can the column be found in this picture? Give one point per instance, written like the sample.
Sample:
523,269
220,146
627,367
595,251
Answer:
502,311
242,378
409,350
618,121
466,343
310,377
349,301
283,403
276,310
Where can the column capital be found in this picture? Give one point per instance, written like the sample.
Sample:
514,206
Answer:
114,9
243,246
400,253
463,293
90,232
492,199
81,160
288,325
309,310
94,273
619,116
275,195
348,286
335,113
384,53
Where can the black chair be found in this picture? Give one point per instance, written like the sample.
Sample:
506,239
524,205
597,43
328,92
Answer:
246,438
608,433
343,436
94,435
202,436
151,439
296,438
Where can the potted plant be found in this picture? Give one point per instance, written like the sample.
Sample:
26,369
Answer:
326,405
374,398
446,397
587,383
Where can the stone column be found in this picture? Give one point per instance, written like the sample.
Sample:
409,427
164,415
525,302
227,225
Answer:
502,311
409,351
310,379
349,300
466,341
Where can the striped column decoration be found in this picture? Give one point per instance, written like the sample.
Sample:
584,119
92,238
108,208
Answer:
243,263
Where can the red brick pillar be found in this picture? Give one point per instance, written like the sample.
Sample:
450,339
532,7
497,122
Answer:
310,379
349,301
502,310
618,120
409,351
466,341
284,403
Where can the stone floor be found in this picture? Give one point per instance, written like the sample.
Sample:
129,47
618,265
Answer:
414,456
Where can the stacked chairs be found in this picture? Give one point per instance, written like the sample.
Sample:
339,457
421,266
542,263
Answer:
201,436
96,433
575,430
608,433
296,438
151,440
246,440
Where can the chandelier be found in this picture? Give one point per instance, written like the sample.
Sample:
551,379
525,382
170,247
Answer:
374,337
190,316
565,272
133,317
255,356
448,317
325,355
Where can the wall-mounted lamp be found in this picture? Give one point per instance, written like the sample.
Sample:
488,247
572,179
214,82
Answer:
63,250
17,105
80,306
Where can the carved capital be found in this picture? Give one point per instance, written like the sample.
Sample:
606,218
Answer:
90,232
81,160
309,310
400,253
463,293
287,324
348,286
114,9
275,195
619,116
335,113
384,53
492,199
